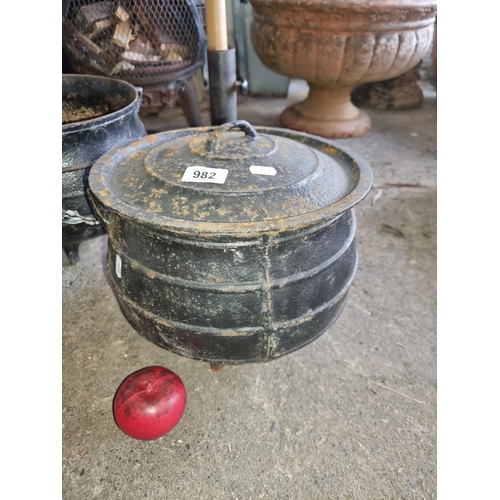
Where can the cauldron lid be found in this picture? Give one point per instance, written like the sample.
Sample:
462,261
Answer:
216,180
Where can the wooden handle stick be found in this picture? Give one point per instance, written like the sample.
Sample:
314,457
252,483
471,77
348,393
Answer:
215,11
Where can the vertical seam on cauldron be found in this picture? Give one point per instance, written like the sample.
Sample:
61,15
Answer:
267,285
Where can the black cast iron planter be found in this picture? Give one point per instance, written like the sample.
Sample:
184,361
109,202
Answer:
110,112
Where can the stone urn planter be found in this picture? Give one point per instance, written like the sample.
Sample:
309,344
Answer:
336,45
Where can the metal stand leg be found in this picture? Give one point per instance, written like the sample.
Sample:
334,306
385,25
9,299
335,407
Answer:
188,100
71,251
216,367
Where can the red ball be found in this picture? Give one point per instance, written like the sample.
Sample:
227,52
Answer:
149,403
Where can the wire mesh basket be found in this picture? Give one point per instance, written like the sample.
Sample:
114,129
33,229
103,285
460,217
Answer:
139,41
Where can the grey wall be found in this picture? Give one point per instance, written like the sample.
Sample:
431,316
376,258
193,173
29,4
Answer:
262,81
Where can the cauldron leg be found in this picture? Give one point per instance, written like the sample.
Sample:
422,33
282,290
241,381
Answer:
216,367
188,101
71,251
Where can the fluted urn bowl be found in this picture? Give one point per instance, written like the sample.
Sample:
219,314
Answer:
336,45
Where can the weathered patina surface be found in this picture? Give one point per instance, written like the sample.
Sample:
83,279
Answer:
248,269
98,114
336,46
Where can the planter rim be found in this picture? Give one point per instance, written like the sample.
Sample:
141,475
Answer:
102,121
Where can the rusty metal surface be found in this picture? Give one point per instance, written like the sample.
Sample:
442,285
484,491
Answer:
154,99
266,285
315,181
182,92
228,303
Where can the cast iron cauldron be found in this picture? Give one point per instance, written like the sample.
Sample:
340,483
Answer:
230,247
98,114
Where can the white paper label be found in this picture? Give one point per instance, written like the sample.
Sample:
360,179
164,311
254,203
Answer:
256,169
118,266
205,174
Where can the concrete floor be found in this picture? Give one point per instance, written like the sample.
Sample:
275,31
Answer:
351,416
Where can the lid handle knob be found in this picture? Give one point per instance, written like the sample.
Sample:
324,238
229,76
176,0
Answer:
213,141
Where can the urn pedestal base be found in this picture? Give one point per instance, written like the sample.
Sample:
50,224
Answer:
327,112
